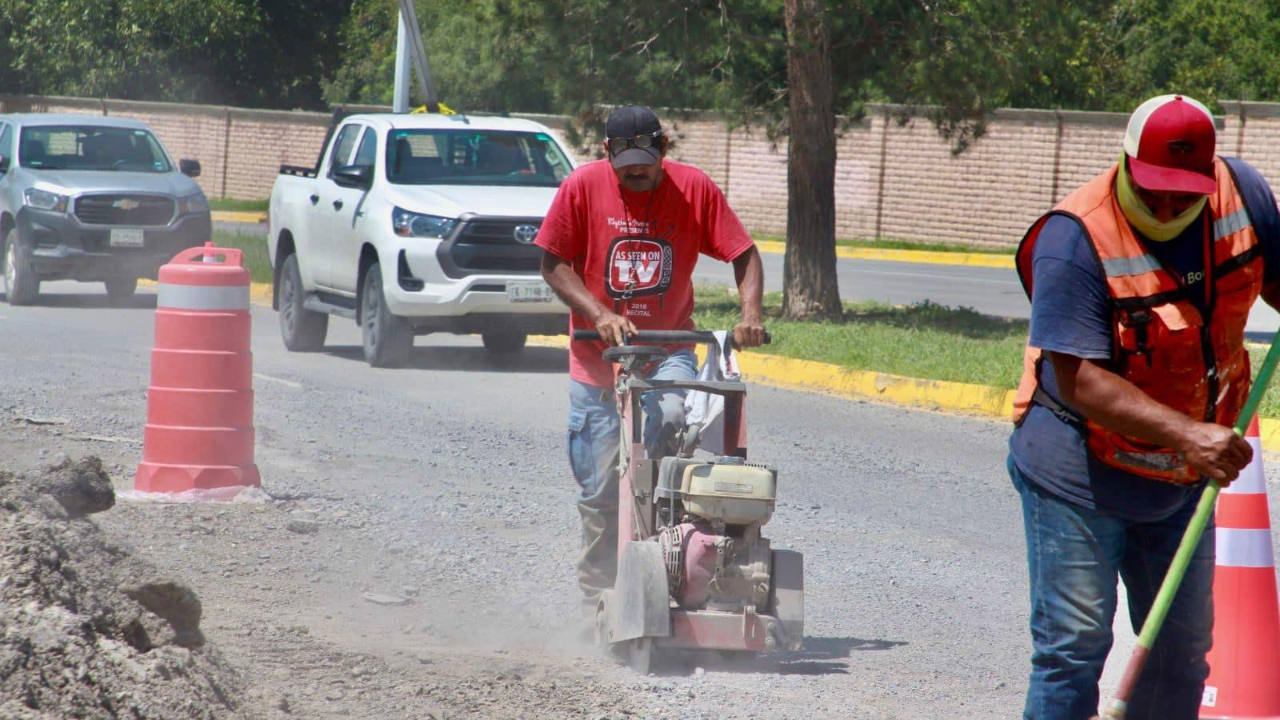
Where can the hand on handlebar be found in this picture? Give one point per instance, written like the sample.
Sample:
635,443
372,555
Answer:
749,333
614,328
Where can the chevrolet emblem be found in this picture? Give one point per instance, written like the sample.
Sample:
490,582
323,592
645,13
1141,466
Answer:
126,204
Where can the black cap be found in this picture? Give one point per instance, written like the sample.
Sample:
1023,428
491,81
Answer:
632,121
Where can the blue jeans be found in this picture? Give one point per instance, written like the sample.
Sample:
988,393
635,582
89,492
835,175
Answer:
593,438
1074,556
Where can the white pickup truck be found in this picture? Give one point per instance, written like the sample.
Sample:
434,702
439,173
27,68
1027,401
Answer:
414,224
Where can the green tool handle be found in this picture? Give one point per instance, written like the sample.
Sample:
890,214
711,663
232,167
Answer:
1190,539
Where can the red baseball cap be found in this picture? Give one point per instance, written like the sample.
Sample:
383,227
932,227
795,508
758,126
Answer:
1171,143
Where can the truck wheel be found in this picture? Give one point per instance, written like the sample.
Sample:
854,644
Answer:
119,290
21,284
388,339
303,330
504,343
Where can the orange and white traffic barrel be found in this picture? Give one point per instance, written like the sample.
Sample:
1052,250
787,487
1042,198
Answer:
199,433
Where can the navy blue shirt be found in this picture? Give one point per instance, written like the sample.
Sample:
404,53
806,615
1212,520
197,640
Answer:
1071,313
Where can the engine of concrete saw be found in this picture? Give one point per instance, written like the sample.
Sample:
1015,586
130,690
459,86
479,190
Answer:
709,515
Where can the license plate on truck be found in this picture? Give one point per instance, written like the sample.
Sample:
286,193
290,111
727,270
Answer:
128,237
531,291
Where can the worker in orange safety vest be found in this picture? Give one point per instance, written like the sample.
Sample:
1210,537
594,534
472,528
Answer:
1141,282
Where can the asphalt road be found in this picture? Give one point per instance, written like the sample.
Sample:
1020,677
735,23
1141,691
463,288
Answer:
910,529
450,476
993,291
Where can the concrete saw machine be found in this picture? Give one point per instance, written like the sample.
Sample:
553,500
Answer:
694,569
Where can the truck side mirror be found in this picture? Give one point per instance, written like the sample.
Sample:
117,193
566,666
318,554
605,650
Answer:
190,168
4,163
354,176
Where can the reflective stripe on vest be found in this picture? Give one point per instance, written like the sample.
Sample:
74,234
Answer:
1243,548
1122,266
1235,222
203,297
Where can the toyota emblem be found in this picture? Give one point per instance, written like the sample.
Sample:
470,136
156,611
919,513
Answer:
525,234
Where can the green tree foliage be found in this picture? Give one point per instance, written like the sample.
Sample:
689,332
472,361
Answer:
566,56
544,55
246,52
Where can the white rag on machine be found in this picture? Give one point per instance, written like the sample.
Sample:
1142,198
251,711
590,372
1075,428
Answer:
704,411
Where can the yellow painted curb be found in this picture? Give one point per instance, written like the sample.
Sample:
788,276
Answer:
1269,434
929,257
236,216
260,293
793,374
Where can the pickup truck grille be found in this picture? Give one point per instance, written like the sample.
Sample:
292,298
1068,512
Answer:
125,210
482,245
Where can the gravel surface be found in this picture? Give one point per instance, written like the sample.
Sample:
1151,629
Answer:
413,557
88,631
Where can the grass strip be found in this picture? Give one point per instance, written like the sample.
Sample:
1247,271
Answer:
229,205
924,341
254,248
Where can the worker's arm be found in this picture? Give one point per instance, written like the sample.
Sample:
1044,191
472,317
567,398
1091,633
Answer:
748,271
559,274
1118,405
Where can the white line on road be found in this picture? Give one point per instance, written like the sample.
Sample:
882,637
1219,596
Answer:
268,378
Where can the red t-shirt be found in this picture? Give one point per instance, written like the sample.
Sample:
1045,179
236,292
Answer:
636,251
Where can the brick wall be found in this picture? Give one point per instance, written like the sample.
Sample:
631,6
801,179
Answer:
893,179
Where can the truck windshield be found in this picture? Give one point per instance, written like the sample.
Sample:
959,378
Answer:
474,157
91,147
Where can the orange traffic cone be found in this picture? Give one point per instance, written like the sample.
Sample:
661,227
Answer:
1244,665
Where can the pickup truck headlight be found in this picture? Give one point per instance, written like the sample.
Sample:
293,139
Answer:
409,224
194,204
45,200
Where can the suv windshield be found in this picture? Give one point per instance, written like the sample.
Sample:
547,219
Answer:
474,157
90,147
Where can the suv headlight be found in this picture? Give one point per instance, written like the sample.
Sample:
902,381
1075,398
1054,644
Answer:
409,224
45,200
194,204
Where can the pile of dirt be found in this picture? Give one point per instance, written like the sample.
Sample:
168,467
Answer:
87,630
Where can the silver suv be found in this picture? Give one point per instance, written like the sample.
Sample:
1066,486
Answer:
95,199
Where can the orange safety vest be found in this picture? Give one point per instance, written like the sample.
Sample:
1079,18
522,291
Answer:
1161,342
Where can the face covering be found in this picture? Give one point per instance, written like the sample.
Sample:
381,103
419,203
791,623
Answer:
1140,216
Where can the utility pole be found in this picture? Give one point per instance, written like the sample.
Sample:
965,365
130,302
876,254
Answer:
400,103
410,49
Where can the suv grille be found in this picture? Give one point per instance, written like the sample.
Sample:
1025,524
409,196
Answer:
124,210
489,246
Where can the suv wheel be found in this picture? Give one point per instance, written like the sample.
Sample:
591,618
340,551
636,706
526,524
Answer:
504,343
387,337
119,290
21,285
303,330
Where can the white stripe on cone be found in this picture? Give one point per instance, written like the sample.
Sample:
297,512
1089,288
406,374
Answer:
1244,548
1251,479
203,297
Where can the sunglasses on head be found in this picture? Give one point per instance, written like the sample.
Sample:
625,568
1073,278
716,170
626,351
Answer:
618,144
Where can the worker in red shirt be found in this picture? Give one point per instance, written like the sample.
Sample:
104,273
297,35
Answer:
621,239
